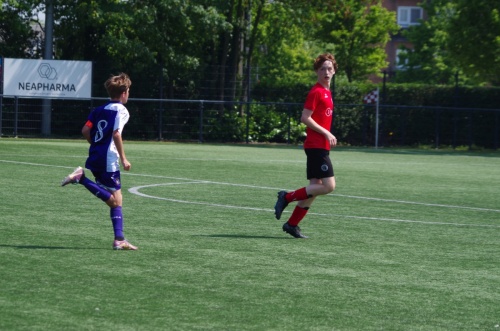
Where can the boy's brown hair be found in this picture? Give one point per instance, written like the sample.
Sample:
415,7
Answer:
116,85
325,57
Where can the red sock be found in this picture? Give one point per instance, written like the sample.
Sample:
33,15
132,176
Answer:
297,195
297,215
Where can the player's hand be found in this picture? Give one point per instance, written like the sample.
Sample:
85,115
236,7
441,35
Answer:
333,142
126,165
331,139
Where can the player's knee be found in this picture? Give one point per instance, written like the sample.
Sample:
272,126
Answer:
329,187
112,202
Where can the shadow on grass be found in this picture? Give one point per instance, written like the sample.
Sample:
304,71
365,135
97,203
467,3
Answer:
44,247
240,236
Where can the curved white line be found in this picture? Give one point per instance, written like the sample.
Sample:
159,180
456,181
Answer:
135,190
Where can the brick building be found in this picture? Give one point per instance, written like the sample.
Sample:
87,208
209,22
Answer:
408,13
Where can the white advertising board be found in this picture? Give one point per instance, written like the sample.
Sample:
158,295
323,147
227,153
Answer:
47,78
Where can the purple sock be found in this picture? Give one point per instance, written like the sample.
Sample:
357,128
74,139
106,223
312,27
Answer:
117,220
95,189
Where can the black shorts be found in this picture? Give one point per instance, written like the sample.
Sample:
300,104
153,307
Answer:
319,164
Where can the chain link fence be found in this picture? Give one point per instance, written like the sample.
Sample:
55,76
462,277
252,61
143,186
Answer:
265,122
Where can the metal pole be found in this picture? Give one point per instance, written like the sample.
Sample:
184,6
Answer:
438,114
200,131
455,119
289,111
249,99
48,55
16,114
495,144
1,96
1,106
332,91
160,115
376,118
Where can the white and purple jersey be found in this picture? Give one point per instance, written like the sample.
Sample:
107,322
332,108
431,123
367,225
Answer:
103,121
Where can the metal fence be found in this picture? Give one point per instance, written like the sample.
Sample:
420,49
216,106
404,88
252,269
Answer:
240,122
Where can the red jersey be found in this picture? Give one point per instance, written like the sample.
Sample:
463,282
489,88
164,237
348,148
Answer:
320,101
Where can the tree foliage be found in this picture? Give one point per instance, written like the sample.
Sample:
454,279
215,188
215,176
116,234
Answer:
358,31
476,26
166,38
202,48
459,37
284,54
19,36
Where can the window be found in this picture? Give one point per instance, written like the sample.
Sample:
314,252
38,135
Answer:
401,58
405,60
409,16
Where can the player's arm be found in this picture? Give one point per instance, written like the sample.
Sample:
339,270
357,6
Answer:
307,119
117,138
86,131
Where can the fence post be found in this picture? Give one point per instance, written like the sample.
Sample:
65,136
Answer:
455,129
289,123
160,115
160,121
495,144
248,123
366,126
403,116
16,114
455,104
200,131
470,129
1,106
438,114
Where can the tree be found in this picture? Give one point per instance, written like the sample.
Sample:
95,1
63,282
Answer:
458,37
427,61
474,38
147,38
358,31
284,52
18,38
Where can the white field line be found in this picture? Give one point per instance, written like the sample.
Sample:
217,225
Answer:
135,190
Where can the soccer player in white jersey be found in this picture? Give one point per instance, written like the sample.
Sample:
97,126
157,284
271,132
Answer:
103,130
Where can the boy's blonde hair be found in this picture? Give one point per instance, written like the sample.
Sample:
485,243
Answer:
116,85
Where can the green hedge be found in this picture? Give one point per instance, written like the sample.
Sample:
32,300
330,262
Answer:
391,94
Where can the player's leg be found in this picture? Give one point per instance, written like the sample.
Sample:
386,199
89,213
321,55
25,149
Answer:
299,212
107,187
321,187
116,215
78,177
112,182
321,181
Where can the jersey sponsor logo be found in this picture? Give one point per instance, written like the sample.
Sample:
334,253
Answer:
328,112
101,125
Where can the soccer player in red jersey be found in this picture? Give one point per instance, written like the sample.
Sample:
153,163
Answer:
317,116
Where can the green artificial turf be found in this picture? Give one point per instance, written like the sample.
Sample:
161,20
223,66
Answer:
409,240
